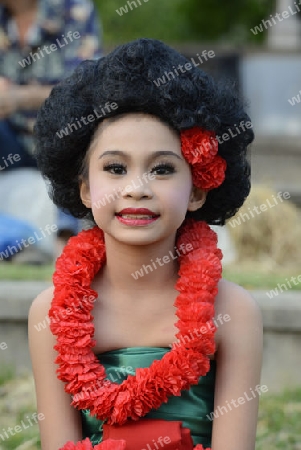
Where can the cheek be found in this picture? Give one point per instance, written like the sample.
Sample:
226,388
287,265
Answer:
177,197
182,190
98,187
97,192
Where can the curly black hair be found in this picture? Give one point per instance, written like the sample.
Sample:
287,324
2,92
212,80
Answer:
127,78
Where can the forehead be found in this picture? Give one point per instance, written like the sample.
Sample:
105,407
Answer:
134,124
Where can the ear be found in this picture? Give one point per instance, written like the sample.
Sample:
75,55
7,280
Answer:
197,199
84,191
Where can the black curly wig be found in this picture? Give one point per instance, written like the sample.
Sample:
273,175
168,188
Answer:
126,77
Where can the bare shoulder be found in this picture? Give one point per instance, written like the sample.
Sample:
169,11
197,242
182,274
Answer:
233,298
235,308
42,301
38,321
44,298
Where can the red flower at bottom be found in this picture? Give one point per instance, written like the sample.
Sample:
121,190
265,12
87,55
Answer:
200,447
108,444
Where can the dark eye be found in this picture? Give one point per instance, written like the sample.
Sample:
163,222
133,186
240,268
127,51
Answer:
163,169
116,169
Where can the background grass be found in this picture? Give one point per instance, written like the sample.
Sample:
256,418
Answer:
279,421
18,272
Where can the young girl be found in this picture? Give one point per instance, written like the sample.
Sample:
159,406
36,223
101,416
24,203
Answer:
154,350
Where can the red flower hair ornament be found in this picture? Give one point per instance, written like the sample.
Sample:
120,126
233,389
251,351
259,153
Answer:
200,147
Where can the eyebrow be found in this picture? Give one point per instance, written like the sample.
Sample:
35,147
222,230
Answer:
152,156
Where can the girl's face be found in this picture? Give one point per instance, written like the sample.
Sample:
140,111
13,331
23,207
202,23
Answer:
139,185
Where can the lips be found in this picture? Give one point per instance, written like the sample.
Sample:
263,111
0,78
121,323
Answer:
136,216
137,213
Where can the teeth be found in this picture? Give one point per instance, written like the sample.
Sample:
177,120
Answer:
135,216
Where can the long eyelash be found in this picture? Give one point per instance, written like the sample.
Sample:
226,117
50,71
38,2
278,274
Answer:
164,166
113,166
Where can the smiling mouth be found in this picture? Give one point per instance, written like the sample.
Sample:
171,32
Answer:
136,220
137,216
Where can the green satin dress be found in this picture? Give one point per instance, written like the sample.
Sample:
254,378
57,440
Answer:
192,407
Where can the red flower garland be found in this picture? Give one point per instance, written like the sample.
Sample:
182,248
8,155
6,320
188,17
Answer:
200,148
83,256
108,444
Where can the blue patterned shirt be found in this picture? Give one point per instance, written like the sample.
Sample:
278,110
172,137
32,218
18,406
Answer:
65,33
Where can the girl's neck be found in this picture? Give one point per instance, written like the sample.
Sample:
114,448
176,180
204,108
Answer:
133,267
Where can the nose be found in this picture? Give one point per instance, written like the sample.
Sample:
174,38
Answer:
137,188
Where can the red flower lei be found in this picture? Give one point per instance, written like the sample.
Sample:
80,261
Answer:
181,367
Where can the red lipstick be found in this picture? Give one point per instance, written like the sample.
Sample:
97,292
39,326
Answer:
137,211
136,216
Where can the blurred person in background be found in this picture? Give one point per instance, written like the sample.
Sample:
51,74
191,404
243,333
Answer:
41,42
